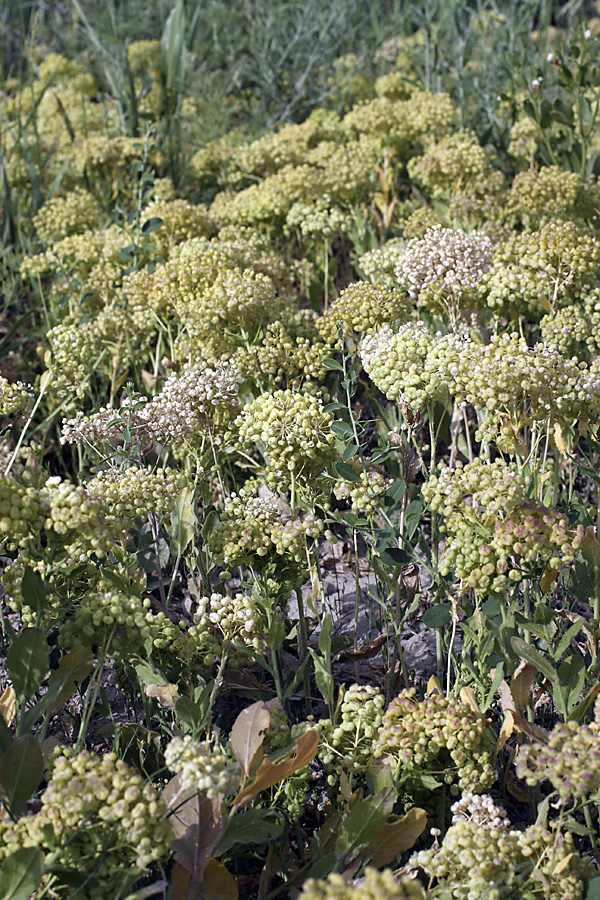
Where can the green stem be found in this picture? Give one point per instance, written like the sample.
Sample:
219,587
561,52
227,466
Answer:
303,648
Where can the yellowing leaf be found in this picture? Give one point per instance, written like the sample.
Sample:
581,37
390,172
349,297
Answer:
508,727
396,837
434,685
269,774
548,579
8,704
248,732
218,883
562,864
521,685
183,887
166,694
559,440
467,695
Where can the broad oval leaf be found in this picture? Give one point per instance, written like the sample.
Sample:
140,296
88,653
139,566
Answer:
21,770
248,732
27,662
438,616
21,873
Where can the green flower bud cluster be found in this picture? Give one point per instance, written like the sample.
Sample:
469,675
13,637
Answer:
573,330
60,217
316,219
525,137
135,492
295,433
513,384
293,794
492,863
72,356
288,146
362,308
533,534
203,767
406,364
279,734
495,535
269,201
568,760
75,254
533,270
418,223
21,513
380,264
438,736
451,165
15,397
226,623
364,497
284,357
235,302
373,885
101,815
393,86
403,123
75,520
181,220
124,626
539,195
347,746
254,531
143,55
331,174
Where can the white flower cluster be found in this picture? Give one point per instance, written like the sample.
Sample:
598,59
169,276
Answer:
187,400
231,617
202,767
480,809
184,404
451,260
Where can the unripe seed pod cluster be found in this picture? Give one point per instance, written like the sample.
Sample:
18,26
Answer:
438,734
373,885
101,814
203,767
295,433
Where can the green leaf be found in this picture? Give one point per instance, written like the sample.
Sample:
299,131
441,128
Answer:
394,556
346,473
395,493
571,677
21,874
325,636
412,518
28,662
342,429
593,889
21,770
364,819
183,521
350,451
438,616
333,364
127,253
73,668
534,658
323,678
252,826
33,590
151,225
